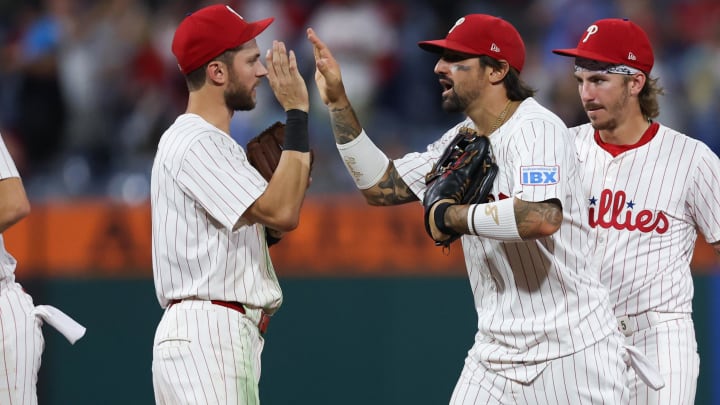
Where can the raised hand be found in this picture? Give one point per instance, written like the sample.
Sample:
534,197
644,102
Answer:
327,72
285,79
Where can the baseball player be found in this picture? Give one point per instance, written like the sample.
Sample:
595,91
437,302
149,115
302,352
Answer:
546,333
210,208
650,190
22,339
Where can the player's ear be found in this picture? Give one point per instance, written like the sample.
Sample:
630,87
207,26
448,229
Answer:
216,71
498,73
637,82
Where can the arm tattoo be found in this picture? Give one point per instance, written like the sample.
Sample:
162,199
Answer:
532,216
345,124
390,190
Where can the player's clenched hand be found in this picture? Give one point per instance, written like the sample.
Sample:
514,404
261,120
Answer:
285,79
463,174
432,226
327,72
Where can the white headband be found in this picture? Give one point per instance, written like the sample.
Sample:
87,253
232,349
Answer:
603,67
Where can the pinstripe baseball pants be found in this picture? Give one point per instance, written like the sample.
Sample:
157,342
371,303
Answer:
22,346
595,375
206,354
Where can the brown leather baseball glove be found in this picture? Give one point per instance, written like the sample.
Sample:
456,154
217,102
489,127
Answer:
263,152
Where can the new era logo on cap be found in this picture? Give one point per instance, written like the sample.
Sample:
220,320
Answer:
482,34
614,40
208,32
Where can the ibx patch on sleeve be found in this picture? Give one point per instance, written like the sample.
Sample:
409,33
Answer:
539,175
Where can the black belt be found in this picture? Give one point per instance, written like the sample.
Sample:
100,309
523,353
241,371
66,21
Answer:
264,318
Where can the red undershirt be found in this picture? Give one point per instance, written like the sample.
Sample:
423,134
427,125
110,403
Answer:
615,150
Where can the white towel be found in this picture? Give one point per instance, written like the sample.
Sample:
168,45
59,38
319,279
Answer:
60,321
644,369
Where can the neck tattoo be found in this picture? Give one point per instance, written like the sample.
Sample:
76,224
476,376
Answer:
501,118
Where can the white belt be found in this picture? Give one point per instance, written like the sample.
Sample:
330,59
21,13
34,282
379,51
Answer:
629,324
60,321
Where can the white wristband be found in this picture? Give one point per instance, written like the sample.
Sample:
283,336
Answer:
364,160
494,220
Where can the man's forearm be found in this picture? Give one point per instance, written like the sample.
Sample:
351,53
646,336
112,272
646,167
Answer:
532,219
345,123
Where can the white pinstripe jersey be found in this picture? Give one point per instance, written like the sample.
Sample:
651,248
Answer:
201,185
7,170
540,299
647,205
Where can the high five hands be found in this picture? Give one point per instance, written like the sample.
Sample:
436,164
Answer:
327,73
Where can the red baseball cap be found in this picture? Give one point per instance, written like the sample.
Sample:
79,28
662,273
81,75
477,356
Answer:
614,40
209,32
482,34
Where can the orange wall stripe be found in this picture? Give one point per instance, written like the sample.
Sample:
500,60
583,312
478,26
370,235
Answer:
337,236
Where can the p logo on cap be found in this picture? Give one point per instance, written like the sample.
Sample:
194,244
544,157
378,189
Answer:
590,31
614,40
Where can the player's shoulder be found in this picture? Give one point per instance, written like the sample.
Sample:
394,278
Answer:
194,127
666,134
583,130
532,121
696,157
531,110
188,130
583,134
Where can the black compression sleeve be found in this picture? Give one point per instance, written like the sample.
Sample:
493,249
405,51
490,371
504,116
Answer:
296,131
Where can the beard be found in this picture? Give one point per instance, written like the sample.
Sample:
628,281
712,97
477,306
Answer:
607,125
238,98
459,101
453,103
611,123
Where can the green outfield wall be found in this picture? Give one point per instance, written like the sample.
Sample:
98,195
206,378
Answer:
335,341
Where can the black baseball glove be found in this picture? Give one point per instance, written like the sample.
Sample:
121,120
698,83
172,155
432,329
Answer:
464,174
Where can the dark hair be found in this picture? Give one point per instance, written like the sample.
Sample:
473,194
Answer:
516,89
648,98
196,78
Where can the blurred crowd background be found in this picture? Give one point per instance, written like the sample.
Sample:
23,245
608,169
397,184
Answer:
87,87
